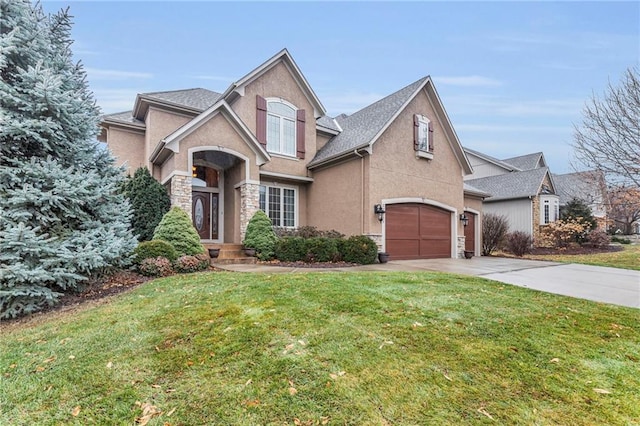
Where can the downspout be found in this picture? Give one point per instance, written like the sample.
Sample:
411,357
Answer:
363,207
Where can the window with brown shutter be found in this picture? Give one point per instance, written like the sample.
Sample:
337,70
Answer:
261,120
300,122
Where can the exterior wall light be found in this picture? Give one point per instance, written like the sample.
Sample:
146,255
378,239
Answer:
380,211
464,219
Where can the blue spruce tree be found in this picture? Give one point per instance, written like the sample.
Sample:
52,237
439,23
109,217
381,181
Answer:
62,218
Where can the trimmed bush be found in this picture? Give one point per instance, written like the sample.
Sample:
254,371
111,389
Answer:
307,232
176,229
156,267
518,243
494,230
290,249
152,249
187,264
359,249
260,236
598,238
621,240
321,249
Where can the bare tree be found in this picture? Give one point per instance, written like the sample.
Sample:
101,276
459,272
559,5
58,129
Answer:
625,208
609,138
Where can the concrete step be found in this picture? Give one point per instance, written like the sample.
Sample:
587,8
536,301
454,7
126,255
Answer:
230,254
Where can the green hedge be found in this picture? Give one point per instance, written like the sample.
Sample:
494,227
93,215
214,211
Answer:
320,249
152,249
357,249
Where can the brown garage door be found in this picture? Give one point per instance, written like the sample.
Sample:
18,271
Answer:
417,231
470,232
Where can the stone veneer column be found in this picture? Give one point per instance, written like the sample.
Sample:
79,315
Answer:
461,243
536,220
249,204
181,193
377,238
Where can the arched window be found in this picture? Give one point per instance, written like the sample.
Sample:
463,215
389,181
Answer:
281,128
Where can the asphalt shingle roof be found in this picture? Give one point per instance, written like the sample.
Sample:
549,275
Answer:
524,162
125,117
581,185
198,99
359,128
507,166
327,122
511,185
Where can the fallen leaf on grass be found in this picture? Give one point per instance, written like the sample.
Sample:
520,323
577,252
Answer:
149,411
75,411
252,402
416,324
52,358
387,342
109,364
481,410
248,382
173,410
292,391
336,375
39,369
602,391
447,377
556,360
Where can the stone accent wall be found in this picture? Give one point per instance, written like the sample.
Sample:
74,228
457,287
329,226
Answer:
181,193
535,205
249,204
377,238
460,247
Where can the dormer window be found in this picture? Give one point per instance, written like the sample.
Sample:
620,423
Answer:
281,128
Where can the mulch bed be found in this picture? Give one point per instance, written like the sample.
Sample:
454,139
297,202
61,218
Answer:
576,250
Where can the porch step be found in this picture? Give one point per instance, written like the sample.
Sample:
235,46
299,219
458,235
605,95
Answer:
230,254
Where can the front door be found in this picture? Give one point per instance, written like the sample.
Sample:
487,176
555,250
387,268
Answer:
205,214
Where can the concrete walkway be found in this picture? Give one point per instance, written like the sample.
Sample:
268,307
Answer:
600,284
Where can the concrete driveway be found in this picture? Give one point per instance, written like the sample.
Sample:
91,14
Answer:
608,285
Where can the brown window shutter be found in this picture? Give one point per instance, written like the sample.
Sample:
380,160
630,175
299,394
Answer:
430,137
416,132
300,120
261,120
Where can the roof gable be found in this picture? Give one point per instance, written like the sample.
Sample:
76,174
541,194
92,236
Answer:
191,100
362,129
490,159
172,141
528,161
237,89
521,184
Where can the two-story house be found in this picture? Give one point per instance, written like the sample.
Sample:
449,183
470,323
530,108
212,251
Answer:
393,170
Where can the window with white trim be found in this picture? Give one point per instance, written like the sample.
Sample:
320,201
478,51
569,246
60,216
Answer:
281,128
546,212
423,134
279,203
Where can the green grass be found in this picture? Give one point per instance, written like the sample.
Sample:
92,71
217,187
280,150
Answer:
325,348
628,258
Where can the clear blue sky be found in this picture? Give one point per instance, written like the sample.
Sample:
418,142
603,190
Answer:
513,76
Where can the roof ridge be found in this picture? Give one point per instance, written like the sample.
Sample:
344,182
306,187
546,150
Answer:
179,90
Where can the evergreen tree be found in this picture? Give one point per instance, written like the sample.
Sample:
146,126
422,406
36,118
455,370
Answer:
149,201
577,209
61,216
177,229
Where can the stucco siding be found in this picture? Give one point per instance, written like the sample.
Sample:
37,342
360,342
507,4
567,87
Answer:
159,125
396,171
335,198
127,147
517,212
279,83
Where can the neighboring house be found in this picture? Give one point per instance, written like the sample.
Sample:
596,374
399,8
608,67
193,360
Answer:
522,189
589,187
393,170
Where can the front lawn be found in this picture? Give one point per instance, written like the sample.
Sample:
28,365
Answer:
325,348
628,258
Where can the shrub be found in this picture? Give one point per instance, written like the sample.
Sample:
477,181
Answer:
290,249
621,240
187,264
260,236
359,249
306,232
562,233
156,267
518,243
494,230
149,202
176,228
598,238
578,210
152,249
320,249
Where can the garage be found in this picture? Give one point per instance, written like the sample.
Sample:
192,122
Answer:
417,231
